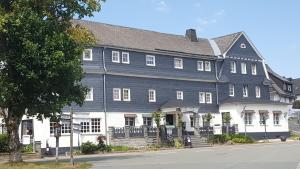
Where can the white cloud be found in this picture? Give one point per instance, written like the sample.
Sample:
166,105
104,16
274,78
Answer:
197,4
220,13
162,6
203,22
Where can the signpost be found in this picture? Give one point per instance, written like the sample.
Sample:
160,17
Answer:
71,137
57,134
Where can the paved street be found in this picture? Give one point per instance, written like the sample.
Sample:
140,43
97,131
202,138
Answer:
263,156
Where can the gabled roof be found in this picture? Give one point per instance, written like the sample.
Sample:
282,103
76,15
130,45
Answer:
296,84
277,75
132,38
225,42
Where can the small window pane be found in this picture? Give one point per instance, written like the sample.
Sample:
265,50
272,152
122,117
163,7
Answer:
179,95
245,91
201,97
178,63
207,66
115,56
200,66
208,98
125,57
85,127
87,54
244,68
231,90
150,60
96,125
233,67
116,94
126,95
152,95
89,95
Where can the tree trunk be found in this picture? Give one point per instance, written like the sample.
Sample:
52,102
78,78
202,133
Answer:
157,136
15,155
227,129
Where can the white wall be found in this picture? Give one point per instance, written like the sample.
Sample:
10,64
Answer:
236,109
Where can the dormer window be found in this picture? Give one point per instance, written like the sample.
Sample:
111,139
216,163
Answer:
289,87
178,63
243,46
115,57
87,54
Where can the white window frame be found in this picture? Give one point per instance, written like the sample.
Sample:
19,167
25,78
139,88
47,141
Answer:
201,97
91,55
65,127
180,61
153,97
208,98
257,92
232,66
117,56
244,68
207,66
231,90
179,95
253,69
118,90
128,119
95,125
276,118
245,91
91,94
128,95
243,46
153,60
146,121
85,126
200,65
125,54
289,87
248,119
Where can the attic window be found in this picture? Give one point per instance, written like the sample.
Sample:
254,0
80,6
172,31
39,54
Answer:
243,46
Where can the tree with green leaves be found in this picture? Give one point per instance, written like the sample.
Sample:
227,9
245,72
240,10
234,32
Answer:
157,119
40,54
207,118
226,119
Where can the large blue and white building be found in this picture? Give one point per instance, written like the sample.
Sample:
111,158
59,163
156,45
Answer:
132,73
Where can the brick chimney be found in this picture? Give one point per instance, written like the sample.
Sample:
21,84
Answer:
191,35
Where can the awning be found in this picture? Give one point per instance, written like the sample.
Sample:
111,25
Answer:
277,112
263,111
147,115
249,111
130,115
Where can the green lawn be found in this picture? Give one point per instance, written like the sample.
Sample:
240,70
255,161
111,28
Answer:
51,165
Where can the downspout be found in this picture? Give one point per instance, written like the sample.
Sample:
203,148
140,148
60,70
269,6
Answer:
217,88
104,94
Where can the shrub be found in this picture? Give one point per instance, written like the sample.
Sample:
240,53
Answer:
101,145
178,143
241,139
4,147
88,148
236,138
27,149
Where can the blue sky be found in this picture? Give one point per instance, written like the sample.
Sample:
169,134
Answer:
272,25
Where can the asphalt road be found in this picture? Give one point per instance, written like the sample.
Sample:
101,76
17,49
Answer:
259,156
